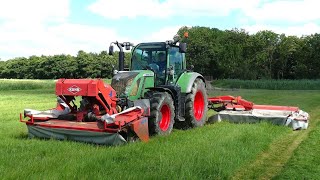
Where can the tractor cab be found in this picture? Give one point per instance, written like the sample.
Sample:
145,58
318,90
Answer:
165,59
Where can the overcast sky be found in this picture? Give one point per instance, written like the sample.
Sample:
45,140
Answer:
48,27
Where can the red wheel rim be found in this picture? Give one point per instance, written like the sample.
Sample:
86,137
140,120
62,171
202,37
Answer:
198,106
166,116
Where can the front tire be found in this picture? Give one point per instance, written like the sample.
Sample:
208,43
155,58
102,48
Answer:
162,114
196,105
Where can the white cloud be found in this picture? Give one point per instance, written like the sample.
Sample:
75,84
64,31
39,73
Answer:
162,34
34,10
37,27
41,27
292,17
115,9
64,38
285,10
306,29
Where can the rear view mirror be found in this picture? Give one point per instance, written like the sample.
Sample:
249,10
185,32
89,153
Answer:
183,47
127,45
111,50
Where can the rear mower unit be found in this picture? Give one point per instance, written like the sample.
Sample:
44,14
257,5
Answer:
238,110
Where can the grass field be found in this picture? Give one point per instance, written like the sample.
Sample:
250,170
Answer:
24,84
269,84
216,151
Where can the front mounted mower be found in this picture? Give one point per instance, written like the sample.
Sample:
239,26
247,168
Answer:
97,120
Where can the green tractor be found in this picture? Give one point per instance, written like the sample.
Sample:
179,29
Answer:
158,79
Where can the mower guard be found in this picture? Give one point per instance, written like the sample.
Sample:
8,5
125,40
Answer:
238,110
102,138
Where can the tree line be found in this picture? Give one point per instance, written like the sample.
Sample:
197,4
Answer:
236,54
222,54
83,65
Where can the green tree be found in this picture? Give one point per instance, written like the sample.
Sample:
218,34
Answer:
221,54
287,57
266,43
309,60
203,49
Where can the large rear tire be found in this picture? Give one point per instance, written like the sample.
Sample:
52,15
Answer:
196,105
162,114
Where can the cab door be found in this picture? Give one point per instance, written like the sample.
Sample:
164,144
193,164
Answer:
175,65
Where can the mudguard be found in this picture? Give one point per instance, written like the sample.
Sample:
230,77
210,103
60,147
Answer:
186,80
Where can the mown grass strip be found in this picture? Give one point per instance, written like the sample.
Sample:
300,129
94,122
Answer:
268,84
271,162
305,161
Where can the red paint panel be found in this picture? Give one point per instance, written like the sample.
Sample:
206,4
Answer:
140,127
76,87
230,102
127,117
91,88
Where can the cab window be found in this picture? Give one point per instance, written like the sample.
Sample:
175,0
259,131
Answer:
175,60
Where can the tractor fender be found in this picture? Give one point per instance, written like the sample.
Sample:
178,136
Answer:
186,80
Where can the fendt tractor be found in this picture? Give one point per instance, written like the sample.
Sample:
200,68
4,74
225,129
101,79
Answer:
156,94
159,76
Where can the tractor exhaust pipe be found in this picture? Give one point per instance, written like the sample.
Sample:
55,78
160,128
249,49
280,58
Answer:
121,60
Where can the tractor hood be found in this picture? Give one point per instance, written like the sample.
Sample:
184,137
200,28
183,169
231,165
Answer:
122,80
127,83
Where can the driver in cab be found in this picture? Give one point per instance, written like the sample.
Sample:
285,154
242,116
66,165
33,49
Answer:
162,62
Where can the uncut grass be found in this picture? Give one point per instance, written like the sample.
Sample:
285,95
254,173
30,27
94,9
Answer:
304,99
24,84
28,84
211,152
214,151
268,84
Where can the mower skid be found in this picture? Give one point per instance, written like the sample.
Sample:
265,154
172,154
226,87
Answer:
25,121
